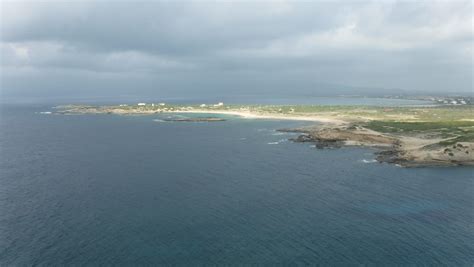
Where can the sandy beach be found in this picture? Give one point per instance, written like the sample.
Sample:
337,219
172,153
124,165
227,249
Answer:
253,115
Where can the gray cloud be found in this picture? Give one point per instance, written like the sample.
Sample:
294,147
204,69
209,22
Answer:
153,48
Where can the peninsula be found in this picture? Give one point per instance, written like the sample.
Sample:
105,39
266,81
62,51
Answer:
411,136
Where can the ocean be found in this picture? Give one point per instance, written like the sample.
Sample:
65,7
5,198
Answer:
134,190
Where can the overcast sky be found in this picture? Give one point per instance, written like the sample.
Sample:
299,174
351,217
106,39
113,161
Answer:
175,48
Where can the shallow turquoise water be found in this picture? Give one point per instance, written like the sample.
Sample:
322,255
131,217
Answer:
104,189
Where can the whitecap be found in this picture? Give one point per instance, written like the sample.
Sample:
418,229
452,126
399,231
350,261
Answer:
278,133
369,160
273,143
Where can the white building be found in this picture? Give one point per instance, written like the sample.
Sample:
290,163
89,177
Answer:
220,104
141,104
203,105
161,104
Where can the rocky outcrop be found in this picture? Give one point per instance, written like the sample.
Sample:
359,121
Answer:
319,143
337,137
392,149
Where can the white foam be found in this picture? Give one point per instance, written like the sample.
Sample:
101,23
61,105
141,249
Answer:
278,133
278,142
369,161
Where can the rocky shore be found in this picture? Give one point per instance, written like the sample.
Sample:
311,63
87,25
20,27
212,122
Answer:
404,151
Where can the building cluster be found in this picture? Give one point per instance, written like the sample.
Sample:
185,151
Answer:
454,100
442,100
163,107
144,104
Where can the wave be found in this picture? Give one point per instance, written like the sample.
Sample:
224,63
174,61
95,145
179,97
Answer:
278,142
278,133
369,160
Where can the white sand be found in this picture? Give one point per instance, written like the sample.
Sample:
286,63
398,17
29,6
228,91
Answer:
250,115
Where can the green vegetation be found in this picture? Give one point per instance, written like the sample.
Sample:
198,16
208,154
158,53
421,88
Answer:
397,126
429,113
349,113
456,131
466,137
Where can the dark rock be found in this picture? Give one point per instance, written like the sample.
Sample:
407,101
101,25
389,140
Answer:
321,144
390,156
302,138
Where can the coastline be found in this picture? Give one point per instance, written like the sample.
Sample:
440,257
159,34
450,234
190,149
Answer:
399,136
400,150
250,115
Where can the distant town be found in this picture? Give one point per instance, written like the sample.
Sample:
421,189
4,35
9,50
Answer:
442,100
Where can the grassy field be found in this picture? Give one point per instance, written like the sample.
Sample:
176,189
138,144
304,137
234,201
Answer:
456,131
442,114
428,113
435,113
397,126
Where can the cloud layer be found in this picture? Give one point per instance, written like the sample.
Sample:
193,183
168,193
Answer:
175,48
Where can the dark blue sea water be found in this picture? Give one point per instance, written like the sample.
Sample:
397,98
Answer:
128,190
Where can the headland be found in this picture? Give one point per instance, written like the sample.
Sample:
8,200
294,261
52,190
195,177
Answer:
408,136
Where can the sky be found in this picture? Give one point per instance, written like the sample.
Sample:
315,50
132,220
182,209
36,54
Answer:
54,49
